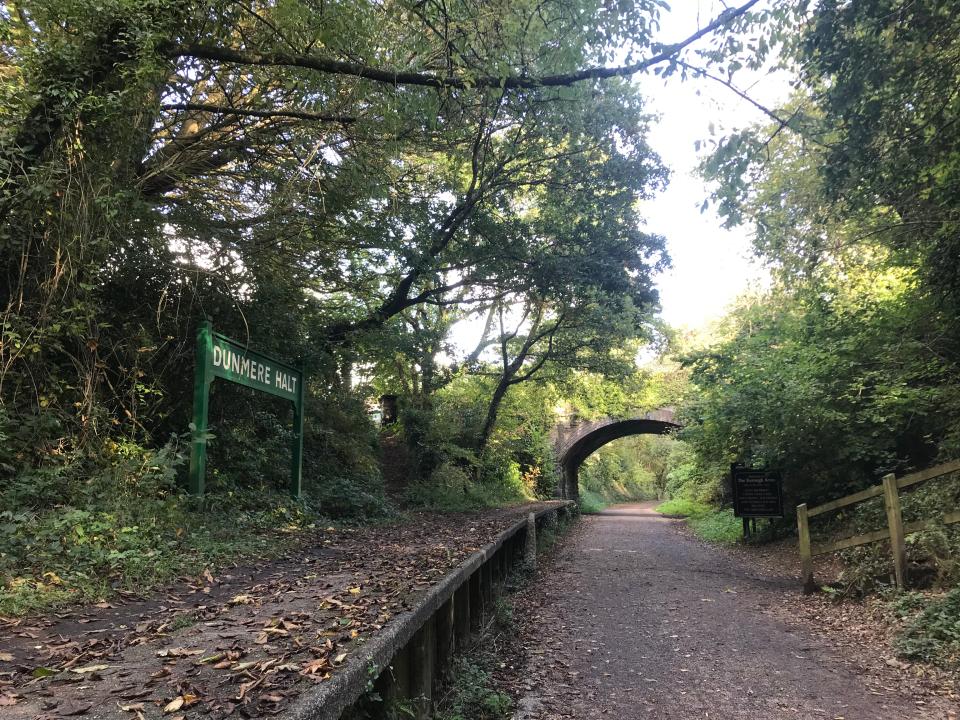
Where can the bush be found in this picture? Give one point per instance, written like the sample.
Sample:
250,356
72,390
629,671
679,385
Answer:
451,488
591,502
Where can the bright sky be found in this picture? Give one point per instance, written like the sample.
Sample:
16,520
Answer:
711,266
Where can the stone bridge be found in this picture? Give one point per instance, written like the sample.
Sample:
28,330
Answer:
573,442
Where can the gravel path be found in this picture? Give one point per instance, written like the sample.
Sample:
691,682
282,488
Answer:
638,620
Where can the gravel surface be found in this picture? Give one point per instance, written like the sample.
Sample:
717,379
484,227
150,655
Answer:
634,618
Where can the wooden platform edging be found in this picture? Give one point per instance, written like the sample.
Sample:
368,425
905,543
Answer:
402,661
895,531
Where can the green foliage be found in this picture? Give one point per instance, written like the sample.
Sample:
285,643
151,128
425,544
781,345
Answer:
128,527
451,489
471,696
933,634
516,464
592,502
682,507
846,369
710,523
622,471
718,526
343,221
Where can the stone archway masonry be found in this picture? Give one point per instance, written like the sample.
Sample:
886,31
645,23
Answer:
573,442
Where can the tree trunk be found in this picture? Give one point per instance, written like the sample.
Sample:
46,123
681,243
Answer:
492,409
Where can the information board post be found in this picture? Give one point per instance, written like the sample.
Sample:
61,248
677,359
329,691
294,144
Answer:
201,407
296,468
220,357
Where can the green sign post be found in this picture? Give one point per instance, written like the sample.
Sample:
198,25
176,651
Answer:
219,356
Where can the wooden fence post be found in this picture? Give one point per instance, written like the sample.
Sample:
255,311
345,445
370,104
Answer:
806,559
461,616
422,649
891,500
445,630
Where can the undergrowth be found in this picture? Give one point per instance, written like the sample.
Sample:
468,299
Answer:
127,527
471,485
716,525
931,632
933,554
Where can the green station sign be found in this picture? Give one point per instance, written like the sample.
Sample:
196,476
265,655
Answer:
220,357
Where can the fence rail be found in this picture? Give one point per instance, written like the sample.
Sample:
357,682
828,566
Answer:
895,530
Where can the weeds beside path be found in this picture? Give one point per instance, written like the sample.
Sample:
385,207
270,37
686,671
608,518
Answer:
247,638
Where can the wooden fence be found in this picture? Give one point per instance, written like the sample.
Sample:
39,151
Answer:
895,530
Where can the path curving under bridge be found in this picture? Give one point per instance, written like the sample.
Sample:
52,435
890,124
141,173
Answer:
575,442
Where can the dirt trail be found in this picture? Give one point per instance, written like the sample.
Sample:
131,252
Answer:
636,619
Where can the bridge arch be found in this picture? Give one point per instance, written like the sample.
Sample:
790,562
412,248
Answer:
575,442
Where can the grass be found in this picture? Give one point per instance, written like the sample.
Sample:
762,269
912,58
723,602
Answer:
683,508
710,523
592,502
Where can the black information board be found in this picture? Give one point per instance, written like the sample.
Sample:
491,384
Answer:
756,493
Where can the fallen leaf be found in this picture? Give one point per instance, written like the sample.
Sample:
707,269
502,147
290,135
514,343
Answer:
130,708
89,669
42,672
6,657
340,658
179,652
173,705
315,666
354,591
6,700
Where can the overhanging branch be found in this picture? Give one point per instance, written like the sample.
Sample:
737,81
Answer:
394,77
249,112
